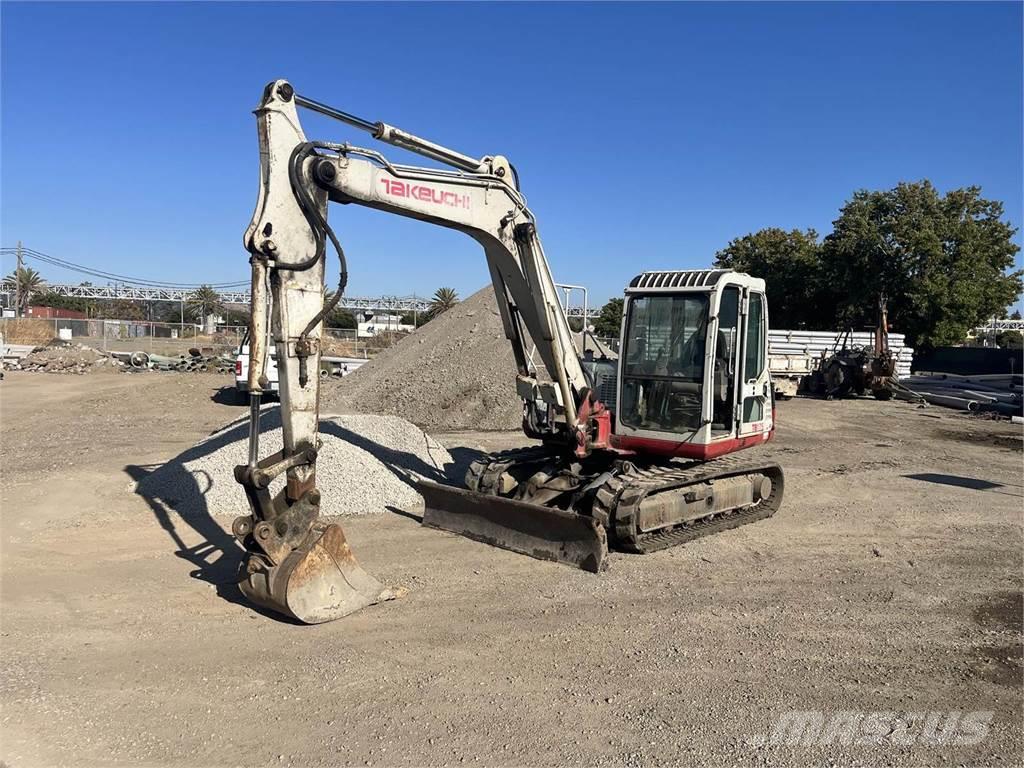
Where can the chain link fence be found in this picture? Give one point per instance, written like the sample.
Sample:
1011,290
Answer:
170,339
120,335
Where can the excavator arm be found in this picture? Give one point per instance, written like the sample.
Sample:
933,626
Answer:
479,198
297,565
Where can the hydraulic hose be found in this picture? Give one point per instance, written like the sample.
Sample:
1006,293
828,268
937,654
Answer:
320,221
307,205
319,227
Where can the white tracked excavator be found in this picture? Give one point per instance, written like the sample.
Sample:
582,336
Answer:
639,452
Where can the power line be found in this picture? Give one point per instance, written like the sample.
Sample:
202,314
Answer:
93,272
112,276
54,261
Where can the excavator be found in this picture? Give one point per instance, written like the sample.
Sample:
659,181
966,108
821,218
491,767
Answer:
639,453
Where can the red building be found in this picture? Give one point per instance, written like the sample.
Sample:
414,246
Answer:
52,312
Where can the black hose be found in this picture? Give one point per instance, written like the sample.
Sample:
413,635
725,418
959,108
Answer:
319,226
307,205
342,261
515,176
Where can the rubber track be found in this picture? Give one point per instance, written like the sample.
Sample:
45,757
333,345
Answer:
617,503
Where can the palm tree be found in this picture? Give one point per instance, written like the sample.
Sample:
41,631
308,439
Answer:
28,283
203,303
443,300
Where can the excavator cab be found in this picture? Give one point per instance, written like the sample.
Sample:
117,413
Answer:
693,377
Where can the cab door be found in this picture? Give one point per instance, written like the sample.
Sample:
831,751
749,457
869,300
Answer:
754,407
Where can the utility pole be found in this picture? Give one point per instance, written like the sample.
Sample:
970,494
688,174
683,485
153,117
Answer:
17,283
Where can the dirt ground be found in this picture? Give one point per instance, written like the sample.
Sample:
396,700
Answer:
889,582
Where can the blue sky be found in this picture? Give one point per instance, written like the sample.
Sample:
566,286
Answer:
646,136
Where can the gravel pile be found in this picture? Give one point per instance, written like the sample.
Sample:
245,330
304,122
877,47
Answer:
456,372
362,468
64,358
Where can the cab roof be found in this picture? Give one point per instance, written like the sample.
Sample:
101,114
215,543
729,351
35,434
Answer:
689,278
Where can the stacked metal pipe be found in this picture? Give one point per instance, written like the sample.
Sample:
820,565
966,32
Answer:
195,361
993,393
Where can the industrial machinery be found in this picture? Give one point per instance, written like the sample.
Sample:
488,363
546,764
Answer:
637,451
853,370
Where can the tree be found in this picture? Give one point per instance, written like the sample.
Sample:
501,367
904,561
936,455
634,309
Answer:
609,321
121,309
790,263
168,311
941,261
340,318
203,302
1015,315
442,300
1009,339
235,315
415,318
51,299
28,282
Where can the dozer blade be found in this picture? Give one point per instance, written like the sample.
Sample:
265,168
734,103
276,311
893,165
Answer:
530,529
318,581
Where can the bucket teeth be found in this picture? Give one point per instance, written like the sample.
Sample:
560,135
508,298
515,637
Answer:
318,581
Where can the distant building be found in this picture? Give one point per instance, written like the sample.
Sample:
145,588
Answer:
56,312
376,324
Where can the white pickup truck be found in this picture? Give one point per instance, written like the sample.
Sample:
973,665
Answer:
329,366
242,369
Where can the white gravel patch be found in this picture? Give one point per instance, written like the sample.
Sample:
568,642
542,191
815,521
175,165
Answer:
362,469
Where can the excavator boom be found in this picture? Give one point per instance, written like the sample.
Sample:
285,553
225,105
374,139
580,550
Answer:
296,565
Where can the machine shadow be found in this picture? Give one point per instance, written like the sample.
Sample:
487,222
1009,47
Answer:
958,481
228,395
415,517
175,497
408,466
405,465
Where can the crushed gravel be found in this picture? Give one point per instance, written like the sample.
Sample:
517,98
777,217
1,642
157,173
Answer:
65,359
456,372
363,466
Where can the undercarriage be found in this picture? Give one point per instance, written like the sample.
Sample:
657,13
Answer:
630,503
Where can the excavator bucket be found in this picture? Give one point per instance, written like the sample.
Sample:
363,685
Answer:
317,582
530,529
